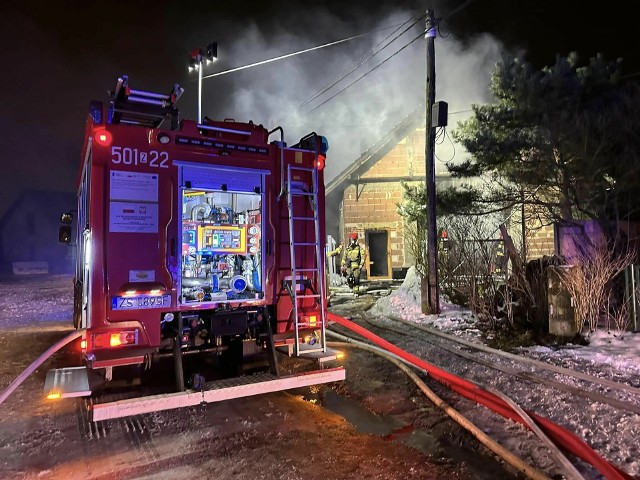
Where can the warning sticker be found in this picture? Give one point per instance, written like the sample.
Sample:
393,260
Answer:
134,202
133,217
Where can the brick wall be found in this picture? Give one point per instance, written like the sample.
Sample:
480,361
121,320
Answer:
374,208
540,242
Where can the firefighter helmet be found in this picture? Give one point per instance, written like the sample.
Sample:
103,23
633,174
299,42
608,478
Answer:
354,236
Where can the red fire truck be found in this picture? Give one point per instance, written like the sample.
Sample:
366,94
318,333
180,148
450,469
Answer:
201,239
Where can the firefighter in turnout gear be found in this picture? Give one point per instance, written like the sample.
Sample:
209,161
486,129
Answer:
353,263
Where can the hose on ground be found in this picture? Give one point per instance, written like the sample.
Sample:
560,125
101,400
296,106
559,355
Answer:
570,470
37,362
510,458
560,435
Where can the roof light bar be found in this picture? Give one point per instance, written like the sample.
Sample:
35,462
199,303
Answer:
220,129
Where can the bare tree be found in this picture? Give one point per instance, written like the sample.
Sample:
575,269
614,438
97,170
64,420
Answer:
589,282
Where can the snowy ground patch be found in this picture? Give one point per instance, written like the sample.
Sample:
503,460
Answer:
405,303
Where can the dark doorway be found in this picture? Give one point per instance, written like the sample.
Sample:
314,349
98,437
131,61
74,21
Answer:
378,250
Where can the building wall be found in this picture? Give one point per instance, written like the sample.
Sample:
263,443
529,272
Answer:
29,232
540,242
373,206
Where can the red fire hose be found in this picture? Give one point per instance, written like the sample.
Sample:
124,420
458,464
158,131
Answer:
561,436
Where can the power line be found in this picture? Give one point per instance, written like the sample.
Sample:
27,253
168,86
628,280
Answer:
365,74
281,57
446,17
372,54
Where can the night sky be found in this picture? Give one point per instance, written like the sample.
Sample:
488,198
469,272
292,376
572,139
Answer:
56,56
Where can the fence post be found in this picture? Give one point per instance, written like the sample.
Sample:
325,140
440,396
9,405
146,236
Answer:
634,282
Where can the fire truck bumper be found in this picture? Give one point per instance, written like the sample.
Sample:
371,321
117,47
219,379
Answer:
227,389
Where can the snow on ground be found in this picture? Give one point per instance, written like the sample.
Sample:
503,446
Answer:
614,433
611,431
405,302
35,299
605,348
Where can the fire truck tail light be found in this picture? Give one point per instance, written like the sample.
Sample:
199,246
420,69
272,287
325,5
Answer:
319,163
83,344
115,339
103,138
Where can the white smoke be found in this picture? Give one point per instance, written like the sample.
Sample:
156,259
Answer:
356,118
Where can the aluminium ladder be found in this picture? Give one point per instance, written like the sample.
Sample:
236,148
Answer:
299,276
138,107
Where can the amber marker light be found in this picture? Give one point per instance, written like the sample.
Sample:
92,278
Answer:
340,355
54,395
114,340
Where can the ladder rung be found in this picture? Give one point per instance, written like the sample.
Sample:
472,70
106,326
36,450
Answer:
304,169
315,295
303,218
303,244
307,270
312,325
304,194
304,352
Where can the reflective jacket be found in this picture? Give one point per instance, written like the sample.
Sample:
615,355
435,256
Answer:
353,254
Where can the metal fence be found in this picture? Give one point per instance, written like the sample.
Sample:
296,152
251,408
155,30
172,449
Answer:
632,294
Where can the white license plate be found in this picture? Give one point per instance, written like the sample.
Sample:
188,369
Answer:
140,301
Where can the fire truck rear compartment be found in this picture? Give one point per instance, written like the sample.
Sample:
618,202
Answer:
208,242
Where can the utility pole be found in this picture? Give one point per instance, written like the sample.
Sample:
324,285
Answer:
432,247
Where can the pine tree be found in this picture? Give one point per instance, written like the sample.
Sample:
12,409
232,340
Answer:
564,138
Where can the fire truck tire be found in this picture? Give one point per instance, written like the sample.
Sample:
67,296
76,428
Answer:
177,363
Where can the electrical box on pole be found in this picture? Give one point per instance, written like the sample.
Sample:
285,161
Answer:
439,113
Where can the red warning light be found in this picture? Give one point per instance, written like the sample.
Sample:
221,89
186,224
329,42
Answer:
103,138
319,163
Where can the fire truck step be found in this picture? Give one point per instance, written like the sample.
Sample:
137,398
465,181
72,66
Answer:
218,391
313,352
71,382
